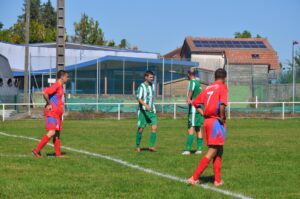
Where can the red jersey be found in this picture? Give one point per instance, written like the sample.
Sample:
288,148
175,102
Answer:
56,98
212,97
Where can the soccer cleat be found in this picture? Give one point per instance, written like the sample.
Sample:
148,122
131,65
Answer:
186,153
37,154
217,184
138,150
152,149
198,152
191,181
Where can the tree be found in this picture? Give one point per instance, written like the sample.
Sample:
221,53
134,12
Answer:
245,34
288,76
48,15
124,44
87,31
1,25
111,43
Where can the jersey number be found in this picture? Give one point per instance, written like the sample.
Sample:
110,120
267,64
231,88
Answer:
210,93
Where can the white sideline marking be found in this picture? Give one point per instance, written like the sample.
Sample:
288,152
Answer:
137,167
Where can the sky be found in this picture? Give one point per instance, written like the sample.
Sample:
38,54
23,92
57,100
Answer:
161,25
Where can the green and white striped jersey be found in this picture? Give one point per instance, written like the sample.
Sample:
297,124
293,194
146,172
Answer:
146,93
195,87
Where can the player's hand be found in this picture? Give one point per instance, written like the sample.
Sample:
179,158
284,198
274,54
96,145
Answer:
48,107
222,120
188,101
148,108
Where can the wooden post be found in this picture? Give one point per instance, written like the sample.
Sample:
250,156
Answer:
133,88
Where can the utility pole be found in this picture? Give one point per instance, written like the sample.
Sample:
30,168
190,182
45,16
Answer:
27,23
60,36
294,73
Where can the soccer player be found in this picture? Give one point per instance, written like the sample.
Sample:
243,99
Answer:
54,108
146,110
214,98
195,119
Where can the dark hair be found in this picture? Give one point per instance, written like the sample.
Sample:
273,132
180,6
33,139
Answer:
220,73
192,71
61,73
148,72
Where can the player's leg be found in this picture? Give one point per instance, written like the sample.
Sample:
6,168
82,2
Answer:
204,162
217,167
152,137
56,143
42,143
199,139
141,125
189,140
153,122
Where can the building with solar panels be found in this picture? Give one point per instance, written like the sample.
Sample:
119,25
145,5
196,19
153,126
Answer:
251,63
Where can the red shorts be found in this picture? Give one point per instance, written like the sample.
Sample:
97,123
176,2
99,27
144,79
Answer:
53,123
214,131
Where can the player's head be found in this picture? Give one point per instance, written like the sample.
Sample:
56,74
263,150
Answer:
191,73
149,76
63,76
220,75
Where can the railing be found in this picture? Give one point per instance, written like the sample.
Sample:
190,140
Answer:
253,106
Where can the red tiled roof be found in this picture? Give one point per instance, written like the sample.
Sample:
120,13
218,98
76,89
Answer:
267,56
173,54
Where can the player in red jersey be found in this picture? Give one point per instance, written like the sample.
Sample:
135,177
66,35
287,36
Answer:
214,99
54,109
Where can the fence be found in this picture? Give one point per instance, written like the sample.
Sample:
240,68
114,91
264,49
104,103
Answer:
279,110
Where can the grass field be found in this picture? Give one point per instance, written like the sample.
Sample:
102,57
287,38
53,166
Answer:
261,160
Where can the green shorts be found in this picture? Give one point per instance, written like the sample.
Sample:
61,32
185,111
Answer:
146,117
195,120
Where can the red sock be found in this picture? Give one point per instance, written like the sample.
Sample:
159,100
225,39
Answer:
217,168
204,162
42,143
56,142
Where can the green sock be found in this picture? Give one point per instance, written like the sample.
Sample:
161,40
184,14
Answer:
152,139
138,139
189,142
199,144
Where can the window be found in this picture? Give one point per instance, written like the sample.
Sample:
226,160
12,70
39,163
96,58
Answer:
9,82
1,82
255,56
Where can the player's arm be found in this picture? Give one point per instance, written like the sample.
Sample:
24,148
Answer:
222,113
47,92
190,92
197,102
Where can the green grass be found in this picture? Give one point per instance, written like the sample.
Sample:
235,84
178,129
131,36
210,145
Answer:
261,160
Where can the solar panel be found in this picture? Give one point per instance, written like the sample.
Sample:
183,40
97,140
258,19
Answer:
228,44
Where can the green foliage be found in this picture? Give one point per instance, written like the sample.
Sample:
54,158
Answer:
287,77
245,34
42,24
124,44
87,31
111,43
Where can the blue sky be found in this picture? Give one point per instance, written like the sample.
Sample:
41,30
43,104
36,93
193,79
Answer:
161,25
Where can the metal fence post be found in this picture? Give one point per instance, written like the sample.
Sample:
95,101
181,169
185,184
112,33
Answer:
283,110
3,111
229,115
119,111
174,111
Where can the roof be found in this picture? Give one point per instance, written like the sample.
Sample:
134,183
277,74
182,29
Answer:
173,54
236,50
70,45
112,58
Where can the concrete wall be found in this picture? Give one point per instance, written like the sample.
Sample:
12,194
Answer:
209,61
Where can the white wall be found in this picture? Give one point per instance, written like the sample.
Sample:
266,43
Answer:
207,61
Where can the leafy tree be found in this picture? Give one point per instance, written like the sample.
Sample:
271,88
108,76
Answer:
124,44
48,15
288,76
1,25
111,43
245,34
87,31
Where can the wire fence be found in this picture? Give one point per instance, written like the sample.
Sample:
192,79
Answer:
276,110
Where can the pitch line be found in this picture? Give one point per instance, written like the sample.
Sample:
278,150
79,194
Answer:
137,167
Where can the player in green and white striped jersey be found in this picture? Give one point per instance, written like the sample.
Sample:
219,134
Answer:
146,110
195,119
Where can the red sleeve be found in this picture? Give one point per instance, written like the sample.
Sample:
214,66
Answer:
198,100
224,95
52,89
